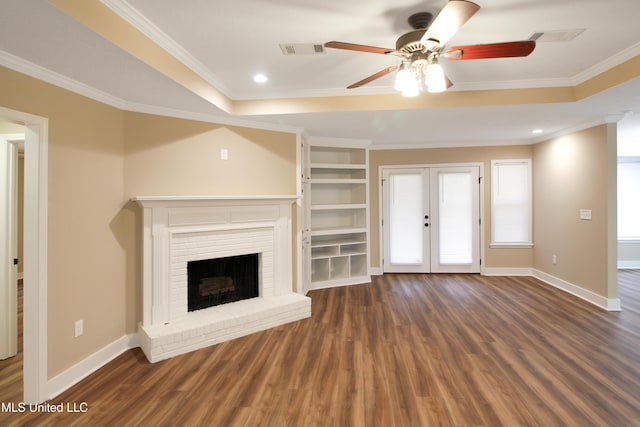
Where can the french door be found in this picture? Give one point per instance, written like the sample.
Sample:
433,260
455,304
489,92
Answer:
431,220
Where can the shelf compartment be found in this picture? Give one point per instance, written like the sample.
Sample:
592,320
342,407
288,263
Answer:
340,267
336,207
337,173
328,194
338,166
320,270
353,249
358,265
338,155
338,219
335,231
336,181
324,251
332,240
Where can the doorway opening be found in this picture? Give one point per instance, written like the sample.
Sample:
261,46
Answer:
35,252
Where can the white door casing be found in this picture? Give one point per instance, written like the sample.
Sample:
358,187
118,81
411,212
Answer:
431,219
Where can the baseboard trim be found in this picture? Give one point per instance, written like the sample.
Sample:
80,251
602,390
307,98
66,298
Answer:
83,369
375,271
609,304
629,265
506,271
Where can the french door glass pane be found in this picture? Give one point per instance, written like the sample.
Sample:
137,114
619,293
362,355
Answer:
455,218
405,212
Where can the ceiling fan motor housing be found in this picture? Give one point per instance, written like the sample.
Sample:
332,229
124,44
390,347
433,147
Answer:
410,42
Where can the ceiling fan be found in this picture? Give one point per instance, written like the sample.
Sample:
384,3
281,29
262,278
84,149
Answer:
420,50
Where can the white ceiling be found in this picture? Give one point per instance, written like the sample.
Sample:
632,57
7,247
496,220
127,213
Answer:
228,41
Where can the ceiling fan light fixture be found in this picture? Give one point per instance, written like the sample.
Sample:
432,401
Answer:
411,89
420,49
436,81
406,81
403,78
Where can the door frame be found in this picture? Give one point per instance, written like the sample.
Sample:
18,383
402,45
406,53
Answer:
382,168
35,225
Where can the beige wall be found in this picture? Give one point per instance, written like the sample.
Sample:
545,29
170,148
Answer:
166,156
100,157
85,258
175,157
572,173
495,258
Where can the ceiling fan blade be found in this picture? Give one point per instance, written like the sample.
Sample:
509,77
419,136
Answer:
450,19
359,47
374,77
492,50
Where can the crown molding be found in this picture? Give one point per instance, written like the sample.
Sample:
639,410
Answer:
137,20
573,129
36,71
448,144
606,65
210,118
330,141
513,84
525,141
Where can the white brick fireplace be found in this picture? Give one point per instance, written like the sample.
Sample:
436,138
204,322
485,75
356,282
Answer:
178,230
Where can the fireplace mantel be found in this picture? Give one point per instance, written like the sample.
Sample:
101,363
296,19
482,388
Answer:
186,201
182,229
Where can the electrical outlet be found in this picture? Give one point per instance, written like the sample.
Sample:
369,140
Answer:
224,154
554,259
79,328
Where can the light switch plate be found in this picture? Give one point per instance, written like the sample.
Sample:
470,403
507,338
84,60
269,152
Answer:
585,214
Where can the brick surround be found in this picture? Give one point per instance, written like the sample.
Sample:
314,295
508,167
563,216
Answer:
182,229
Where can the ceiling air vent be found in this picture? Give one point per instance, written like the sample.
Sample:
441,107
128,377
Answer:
301,48
556,36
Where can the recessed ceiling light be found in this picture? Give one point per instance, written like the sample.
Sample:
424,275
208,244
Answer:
260,78
537,131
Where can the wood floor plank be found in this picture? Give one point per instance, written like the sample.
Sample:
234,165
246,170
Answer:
404,350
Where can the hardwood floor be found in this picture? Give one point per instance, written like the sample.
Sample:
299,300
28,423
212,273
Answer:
405,350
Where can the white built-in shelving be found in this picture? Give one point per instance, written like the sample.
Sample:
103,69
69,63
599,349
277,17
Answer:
336,227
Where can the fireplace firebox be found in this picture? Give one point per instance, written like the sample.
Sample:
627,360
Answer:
217,281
